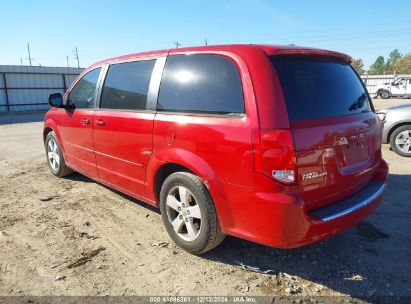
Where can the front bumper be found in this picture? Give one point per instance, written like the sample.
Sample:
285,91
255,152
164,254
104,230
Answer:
280,220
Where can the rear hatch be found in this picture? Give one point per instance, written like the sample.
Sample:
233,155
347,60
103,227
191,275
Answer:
336,134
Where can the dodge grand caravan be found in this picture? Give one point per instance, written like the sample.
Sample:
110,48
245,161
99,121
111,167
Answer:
278,145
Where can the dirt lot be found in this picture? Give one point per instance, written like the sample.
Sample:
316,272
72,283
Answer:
74,236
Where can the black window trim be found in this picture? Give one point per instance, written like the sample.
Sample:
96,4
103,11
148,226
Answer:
154,88
364,87
154,85
201,113
205,113
96,92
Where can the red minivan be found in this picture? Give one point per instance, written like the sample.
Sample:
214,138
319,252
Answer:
278,145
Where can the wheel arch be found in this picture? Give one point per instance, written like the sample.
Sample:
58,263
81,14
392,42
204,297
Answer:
172,159
379,91
46,131
165,162
49,126
164,171
396,126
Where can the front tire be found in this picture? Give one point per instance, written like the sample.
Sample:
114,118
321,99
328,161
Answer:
188,213
400,141
385,94
55,158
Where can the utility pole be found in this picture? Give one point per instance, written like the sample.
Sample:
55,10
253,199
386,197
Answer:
68,65
28,50
21,61
206,42
177,44
76,57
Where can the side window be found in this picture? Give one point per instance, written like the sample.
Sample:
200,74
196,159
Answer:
82,95
126,85
200,83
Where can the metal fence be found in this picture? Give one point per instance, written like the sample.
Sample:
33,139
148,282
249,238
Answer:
372,81
27,87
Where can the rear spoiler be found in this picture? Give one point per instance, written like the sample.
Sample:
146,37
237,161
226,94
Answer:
314,52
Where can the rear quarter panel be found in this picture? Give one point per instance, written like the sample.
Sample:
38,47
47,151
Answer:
217,149
393,120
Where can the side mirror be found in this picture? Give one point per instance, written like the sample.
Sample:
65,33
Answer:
56,100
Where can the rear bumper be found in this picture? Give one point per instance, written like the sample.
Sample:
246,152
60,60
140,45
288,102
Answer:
346,206
280,220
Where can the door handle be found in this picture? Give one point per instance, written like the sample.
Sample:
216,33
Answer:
100,123
85,121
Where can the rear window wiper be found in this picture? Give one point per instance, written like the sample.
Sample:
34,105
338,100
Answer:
358,103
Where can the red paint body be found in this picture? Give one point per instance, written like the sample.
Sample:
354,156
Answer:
126,152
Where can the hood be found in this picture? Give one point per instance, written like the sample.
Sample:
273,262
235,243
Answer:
383,86
403,107
400,107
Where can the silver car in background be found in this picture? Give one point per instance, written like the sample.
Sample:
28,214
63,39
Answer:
397,128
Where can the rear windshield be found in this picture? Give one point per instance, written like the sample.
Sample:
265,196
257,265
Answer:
319,87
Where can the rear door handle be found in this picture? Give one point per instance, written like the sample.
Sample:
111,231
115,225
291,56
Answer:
100,123
85,121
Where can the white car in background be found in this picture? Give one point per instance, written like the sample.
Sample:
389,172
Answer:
400,87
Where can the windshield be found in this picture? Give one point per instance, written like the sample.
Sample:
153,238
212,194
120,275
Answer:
319,87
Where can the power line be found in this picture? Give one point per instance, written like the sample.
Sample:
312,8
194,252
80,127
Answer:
307,38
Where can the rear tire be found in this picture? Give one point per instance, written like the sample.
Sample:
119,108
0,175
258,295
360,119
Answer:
188,213
400,140
55,158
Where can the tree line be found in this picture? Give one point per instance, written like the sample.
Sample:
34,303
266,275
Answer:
395,63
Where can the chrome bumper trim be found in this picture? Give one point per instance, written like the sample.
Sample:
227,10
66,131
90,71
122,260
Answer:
350,204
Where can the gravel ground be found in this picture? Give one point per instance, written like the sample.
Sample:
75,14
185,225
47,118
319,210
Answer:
74,236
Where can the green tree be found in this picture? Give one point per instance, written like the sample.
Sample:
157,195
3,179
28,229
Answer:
403,65
378,67
392,59
358,65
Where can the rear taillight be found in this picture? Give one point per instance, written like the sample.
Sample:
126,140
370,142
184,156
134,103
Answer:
274,155
381,116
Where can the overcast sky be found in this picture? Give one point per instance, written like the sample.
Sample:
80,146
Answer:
102,29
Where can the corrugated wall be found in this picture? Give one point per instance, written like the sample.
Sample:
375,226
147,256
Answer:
27,88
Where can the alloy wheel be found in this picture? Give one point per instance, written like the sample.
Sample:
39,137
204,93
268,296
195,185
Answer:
403,141
183,213
53,154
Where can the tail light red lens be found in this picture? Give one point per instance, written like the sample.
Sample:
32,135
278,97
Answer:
274,155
